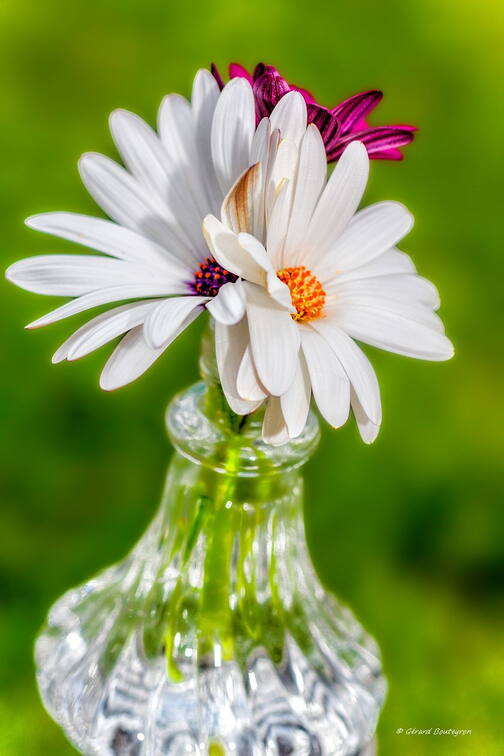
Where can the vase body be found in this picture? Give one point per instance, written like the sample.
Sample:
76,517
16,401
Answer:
214,635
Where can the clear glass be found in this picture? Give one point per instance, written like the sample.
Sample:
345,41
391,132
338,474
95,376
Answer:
214,635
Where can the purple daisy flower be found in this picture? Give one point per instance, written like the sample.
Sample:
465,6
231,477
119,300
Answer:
339,125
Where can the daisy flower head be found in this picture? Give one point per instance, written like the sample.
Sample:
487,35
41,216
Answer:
154,264
338,125
322,276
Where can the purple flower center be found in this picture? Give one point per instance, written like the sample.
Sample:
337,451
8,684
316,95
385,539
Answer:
209,277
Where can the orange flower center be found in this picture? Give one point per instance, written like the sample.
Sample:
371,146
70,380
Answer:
308,296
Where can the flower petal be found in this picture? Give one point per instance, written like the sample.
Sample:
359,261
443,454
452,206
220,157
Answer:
394,333
329,382
391,262
169,317
242,209
310,181
354,109
241,254
295,402
103,328
112,239
230,345
205,94
290,117
233,129
274,430
338,202
377,139
269,87
104,296
228,307
372,231
355,364
367,429
73,275
129,360
327,124
407,288
274,338
248,384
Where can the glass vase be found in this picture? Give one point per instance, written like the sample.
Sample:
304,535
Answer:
214,635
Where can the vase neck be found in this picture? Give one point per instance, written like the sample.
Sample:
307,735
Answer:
203,428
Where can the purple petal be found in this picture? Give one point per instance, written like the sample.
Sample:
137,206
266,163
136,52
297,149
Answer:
354,109
237,71
326,122
269,88
378,140
218,78
305,94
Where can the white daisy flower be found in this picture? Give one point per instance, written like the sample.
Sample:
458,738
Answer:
154,249
342,278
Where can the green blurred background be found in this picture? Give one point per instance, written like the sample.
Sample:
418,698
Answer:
409,531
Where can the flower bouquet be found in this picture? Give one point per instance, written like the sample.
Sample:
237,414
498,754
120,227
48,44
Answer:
214,635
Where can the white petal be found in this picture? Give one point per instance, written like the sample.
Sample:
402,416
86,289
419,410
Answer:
274,338
338,202
310,181
167,318
372,231
259,152
355,364
394,333
127,202
391,262
230,345
104,296
410,310
401,288
129,360
274,430
281,175
205,94
248,384
367,429
278,225
233,129
112,239
329,382
103,328
289,117
279,291
241,254
296,400
228,307
243,208
73,275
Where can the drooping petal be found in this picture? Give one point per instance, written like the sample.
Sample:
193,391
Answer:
329,382
228,306
295,402
394,333
367,429
248,384
73,275
356,108
274,430
230,345
290,117
338,202
103,328
112,239
105,296
168,317
274,339
371,231
233,129
355,364
129,360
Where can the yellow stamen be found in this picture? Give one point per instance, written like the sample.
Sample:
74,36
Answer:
308,296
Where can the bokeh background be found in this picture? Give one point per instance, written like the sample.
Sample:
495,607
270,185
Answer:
409,531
